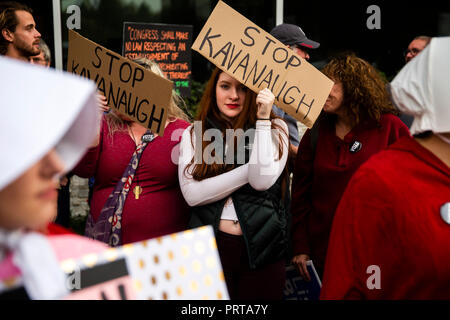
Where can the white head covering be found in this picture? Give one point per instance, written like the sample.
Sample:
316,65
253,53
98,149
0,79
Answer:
42,109
422,88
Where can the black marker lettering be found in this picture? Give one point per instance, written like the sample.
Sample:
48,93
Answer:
225,50
99,64
286,54
111,95
74,68
255,67
308,105
292,99
208,38
136,77
85,73
243,65
233,59
101,86
269,41
252,43
121,72
293,61
152,118
111,61
267,79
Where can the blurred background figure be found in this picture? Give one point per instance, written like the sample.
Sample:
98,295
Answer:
416,46
44,58
357,121
391,233
19,37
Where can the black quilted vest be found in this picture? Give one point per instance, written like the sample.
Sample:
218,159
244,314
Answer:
263,217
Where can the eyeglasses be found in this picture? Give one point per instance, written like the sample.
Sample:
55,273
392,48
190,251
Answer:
413,51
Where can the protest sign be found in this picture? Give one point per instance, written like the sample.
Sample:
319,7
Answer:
130,89
167,44
258,60
179,266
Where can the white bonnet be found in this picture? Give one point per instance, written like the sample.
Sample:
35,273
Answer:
41,109
422,88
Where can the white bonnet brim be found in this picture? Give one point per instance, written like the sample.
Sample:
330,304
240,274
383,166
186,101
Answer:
41,109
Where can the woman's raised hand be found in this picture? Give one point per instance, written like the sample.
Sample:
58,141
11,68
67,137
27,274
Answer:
102,103
264,100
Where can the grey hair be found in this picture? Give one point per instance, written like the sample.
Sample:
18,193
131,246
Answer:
427,39
45,50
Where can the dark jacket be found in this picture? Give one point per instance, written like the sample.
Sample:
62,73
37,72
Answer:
263,219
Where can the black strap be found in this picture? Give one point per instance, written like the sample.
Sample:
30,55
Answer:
315,135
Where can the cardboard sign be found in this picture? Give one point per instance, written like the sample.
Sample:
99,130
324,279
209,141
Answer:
258,60
167,44
180,266
130,89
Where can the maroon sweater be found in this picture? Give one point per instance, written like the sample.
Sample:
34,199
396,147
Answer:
319,181
161,208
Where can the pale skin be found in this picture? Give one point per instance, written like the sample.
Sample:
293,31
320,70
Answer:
30,201
24,41
437,146
230,97
332,105
414,48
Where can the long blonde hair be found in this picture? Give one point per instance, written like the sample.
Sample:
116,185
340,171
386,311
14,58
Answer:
115,123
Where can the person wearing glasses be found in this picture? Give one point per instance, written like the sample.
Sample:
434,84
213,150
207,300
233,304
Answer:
417,45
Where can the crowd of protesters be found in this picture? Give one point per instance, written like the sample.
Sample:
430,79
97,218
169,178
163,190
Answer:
368,191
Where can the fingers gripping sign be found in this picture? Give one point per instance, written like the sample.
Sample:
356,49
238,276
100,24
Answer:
264,100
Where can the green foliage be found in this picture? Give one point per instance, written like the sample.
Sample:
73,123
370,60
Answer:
193,101
77,224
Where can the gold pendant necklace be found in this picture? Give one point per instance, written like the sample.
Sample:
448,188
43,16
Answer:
137,190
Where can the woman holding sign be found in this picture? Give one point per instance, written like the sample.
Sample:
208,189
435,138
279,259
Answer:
136,195
242,193
358,121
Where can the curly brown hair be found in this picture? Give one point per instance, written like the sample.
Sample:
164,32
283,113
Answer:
365,92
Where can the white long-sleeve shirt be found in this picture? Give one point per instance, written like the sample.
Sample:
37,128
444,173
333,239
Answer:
261,172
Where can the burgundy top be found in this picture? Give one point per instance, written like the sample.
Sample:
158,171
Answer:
318,187
389,240
161,208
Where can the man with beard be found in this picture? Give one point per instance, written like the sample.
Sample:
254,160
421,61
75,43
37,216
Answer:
18,35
